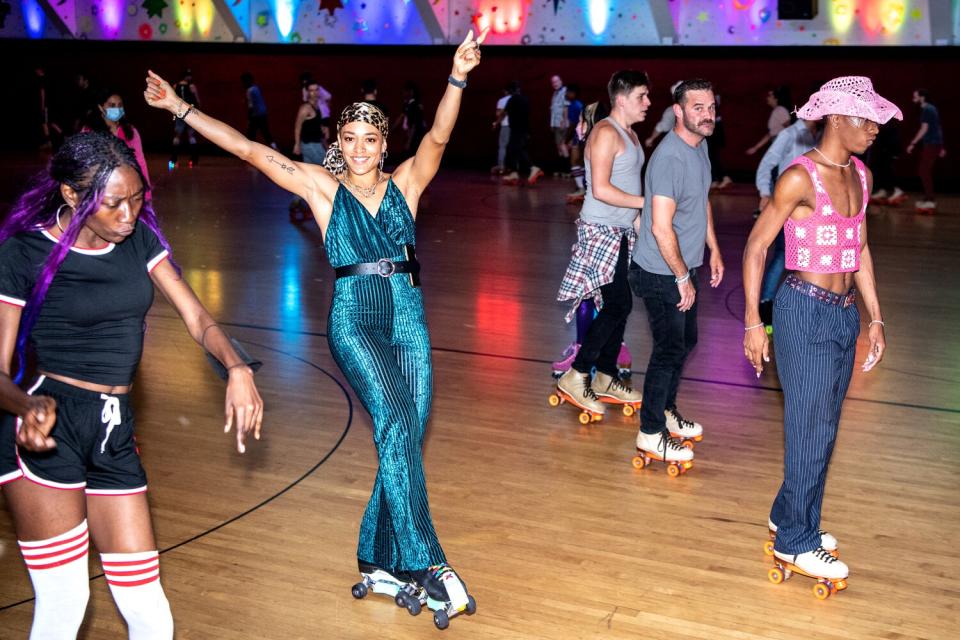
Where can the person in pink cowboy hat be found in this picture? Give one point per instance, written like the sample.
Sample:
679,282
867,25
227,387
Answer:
819,202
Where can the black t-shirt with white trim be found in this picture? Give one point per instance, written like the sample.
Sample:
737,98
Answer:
91,322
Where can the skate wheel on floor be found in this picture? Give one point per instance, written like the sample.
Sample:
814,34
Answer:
584,418
554,400
638,462
471,606
687,444
359,590
408,602
441,619
673,470
839,585
821,591
628,410
768,547
776,575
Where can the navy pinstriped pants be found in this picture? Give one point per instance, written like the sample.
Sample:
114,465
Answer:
815,342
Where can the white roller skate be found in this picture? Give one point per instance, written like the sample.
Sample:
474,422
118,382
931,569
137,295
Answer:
660,446
687,431
613,390
574,387
830,573
403,590
827,541
446,594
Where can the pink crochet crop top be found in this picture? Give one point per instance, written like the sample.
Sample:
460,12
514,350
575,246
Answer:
826,242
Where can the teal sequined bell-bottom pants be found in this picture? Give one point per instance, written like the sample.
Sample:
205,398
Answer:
378,336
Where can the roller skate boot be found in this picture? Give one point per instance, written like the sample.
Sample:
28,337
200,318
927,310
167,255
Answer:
830,573
926,207
402,588
660,446
613,391
512,178
896,198
574,387
575,197
827,541
624,361
563,365
535,174
879,197
446,594
684,430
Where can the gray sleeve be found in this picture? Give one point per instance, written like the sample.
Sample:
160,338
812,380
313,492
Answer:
665,177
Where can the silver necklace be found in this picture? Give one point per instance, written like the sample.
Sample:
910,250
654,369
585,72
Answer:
836,164
366,192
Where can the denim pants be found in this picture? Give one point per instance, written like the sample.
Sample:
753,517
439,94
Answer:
674,337
815,342
601,344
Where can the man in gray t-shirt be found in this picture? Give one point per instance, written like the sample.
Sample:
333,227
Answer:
676,224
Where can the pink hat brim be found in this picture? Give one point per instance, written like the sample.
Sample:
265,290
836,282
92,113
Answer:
831,102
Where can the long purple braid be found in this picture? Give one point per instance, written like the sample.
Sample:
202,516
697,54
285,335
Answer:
85,162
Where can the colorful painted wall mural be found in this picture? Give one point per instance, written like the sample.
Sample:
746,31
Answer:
512,22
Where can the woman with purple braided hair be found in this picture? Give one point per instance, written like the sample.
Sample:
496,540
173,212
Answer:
377,331
80,255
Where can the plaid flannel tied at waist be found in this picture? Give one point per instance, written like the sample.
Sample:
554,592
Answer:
593,263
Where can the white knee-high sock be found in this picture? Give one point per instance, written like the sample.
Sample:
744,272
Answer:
134,580
61,581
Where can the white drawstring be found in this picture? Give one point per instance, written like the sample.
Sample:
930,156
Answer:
110,416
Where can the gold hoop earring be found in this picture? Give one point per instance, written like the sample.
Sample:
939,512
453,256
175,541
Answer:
59,209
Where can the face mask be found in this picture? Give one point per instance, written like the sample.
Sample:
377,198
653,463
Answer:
114,113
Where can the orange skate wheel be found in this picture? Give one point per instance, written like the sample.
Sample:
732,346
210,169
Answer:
584,418
554,400
628,410
639,462
775,575
768,547
597,417
673,470
821,591
839,585
687,443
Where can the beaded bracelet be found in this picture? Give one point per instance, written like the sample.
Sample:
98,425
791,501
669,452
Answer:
180,115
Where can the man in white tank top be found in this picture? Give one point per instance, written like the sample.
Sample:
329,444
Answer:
606,232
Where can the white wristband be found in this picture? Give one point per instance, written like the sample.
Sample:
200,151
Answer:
683,279
879,322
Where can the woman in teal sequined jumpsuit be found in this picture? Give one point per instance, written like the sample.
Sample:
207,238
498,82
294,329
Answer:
377,331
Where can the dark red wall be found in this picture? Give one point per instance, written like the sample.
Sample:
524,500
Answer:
742,75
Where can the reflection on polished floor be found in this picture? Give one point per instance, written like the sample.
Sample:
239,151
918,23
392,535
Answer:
555,533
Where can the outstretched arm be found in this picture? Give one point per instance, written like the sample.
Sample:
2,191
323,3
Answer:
303,180
243,405
415,174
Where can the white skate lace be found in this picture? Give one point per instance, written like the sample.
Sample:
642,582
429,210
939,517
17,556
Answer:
681,421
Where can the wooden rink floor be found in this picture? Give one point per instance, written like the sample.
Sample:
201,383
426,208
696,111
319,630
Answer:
555,533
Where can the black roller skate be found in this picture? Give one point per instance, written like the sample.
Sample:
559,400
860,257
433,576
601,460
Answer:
446,594
400,587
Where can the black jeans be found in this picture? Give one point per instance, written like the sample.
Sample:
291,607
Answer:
601,345
674,337
518,158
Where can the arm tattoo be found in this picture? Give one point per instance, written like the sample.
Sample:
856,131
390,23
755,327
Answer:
289,168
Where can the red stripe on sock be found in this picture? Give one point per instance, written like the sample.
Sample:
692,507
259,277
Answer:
126,563
135,583
52,565
53,554
137,572
30,545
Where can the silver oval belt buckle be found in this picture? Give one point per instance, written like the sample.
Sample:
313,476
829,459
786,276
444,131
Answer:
385,268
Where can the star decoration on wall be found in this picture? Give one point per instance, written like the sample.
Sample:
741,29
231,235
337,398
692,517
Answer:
154,8
330,6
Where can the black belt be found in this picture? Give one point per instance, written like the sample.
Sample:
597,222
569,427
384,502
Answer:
383,267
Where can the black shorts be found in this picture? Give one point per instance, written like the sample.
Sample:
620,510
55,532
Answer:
96,449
